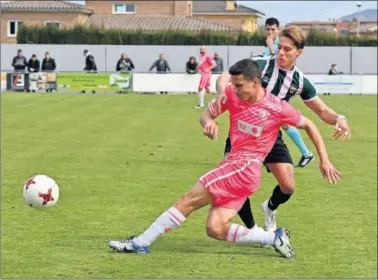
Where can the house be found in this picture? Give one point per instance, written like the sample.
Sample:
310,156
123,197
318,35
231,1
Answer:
39,13
231,13
368,28
331,26
128,15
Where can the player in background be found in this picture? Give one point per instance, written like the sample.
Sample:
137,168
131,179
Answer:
281,77
272,27
206,63
255,120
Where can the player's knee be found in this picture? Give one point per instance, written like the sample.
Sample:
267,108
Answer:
287,187
216,230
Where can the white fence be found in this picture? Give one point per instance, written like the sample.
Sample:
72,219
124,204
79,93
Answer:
183,83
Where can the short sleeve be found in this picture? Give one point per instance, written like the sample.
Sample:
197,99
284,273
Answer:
309,92
224,106
210,60
261,61
290,115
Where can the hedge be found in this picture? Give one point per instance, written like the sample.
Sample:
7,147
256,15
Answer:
84,35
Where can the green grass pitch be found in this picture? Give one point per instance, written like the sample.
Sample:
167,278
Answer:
121,160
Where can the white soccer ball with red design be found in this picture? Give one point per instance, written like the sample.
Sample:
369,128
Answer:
41,191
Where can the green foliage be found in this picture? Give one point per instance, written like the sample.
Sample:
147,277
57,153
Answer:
84,35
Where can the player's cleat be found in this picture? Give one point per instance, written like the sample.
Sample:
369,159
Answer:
305,160
128,246
282,243
270,217
199,107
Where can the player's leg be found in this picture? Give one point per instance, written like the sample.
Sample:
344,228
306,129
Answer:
219,227
280,163
227,147
201,97
296,137
245,213
189,202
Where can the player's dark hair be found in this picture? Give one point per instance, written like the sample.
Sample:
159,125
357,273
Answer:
272,21
246,67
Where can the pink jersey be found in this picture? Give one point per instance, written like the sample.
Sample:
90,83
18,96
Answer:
205,62
254,127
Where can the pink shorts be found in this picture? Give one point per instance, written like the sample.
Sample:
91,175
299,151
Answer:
205,81
232,182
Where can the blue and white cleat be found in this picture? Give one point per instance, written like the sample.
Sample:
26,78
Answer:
282,243
128,246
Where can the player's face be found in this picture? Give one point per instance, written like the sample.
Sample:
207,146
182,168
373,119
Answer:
202,51
244,89
272,30
287,53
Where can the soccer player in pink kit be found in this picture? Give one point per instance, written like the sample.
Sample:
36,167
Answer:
206,63
255,120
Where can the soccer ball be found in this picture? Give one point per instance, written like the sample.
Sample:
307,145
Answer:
41,191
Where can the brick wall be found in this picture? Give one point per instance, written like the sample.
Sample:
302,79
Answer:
38,19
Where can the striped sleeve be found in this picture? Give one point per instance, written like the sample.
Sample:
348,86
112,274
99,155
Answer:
308,92
261,61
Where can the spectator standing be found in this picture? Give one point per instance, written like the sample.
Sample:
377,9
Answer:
333,70
192,66
90,64
162,67
219,67
19,62
34,64
48,63
124,64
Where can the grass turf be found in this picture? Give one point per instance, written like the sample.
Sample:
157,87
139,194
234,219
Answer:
121,160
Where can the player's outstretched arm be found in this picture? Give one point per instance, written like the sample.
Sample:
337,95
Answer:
210,128
327,169
329,116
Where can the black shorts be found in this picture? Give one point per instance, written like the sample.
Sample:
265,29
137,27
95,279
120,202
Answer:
279,153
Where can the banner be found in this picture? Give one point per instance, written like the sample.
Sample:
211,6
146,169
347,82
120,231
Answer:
94,82
3,81
42,81
338,84
17,81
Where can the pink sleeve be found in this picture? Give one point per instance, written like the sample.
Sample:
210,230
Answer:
213,108
224,107
290,115
210,60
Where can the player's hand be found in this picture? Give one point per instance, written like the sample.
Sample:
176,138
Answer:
342,129
269,41
211,130
329,172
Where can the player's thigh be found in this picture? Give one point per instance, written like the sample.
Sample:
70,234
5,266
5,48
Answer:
284,174
194,199
219,219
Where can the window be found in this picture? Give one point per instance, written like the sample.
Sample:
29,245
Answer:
13,26
124,9
344,31
52,24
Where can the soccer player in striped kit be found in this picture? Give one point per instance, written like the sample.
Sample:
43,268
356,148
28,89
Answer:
255,120
272,28
206,63
282,78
